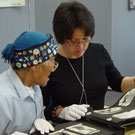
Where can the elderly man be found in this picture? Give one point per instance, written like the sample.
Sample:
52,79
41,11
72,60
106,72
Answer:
32,60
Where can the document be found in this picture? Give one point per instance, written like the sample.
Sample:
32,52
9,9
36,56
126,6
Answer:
62,132
12,3
83,129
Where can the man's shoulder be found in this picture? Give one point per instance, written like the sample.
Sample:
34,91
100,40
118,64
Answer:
3,79
5,85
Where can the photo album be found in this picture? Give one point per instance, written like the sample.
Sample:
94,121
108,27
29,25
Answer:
121,114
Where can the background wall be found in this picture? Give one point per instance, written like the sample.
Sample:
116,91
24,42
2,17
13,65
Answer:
13,21
44,11
123,37
114,27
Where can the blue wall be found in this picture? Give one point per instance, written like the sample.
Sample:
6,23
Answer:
123,37
13,21
44,11
115,28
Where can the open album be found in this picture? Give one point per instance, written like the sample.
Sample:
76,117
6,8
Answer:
76,129
121,114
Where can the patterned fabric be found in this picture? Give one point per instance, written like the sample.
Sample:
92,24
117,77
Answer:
35,55
29,49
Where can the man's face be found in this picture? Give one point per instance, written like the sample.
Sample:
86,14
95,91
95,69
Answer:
42,71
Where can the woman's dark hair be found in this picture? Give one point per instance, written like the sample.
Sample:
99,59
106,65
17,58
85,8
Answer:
71,15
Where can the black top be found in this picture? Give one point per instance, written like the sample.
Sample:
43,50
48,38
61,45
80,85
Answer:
99,72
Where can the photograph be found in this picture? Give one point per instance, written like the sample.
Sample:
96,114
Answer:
63,132
131,4
127,98
125,115
80,128
109,110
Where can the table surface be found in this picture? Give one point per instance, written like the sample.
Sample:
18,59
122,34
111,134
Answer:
105,130
130,130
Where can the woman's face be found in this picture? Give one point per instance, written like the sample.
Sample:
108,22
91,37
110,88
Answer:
77,46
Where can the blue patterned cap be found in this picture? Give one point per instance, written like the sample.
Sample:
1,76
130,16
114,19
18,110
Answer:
29,49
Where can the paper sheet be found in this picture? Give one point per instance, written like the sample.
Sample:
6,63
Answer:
12,3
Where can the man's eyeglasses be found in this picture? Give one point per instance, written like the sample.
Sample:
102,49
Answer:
76,42
55,65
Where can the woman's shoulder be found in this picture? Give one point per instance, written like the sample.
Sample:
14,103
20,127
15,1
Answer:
96,47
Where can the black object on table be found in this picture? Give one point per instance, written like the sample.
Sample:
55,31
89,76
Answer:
104,130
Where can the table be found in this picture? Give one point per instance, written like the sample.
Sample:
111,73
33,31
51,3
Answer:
104,130
130,130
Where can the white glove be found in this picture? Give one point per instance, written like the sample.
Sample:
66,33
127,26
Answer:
42,125
73,112
18,133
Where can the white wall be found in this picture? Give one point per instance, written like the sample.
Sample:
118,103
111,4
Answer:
115,27
13,21
44,11
123,37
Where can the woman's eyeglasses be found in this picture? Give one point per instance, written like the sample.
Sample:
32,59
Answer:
76,42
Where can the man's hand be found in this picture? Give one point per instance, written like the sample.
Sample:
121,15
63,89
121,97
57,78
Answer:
42,125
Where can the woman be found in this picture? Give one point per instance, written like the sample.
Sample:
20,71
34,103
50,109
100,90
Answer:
86,69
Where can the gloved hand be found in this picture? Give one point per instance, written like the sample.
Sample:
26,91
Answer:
73,112
18,133
42,125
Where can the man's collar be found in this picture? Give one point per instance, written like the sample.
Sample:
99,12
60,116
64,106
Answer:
19,87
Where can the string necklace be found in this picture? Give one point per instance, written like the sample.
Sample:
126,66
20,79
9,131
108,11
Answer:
81,83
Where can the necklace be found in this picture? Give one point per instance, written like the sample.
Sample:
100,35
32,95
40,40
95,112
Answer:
81,83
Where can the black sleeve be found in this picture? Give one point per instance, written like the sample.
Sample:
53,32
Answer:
46,92
113,75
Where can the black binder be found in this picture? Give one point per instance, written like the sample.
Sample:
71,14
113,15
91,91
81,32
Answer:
109,121
120,115
103,130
